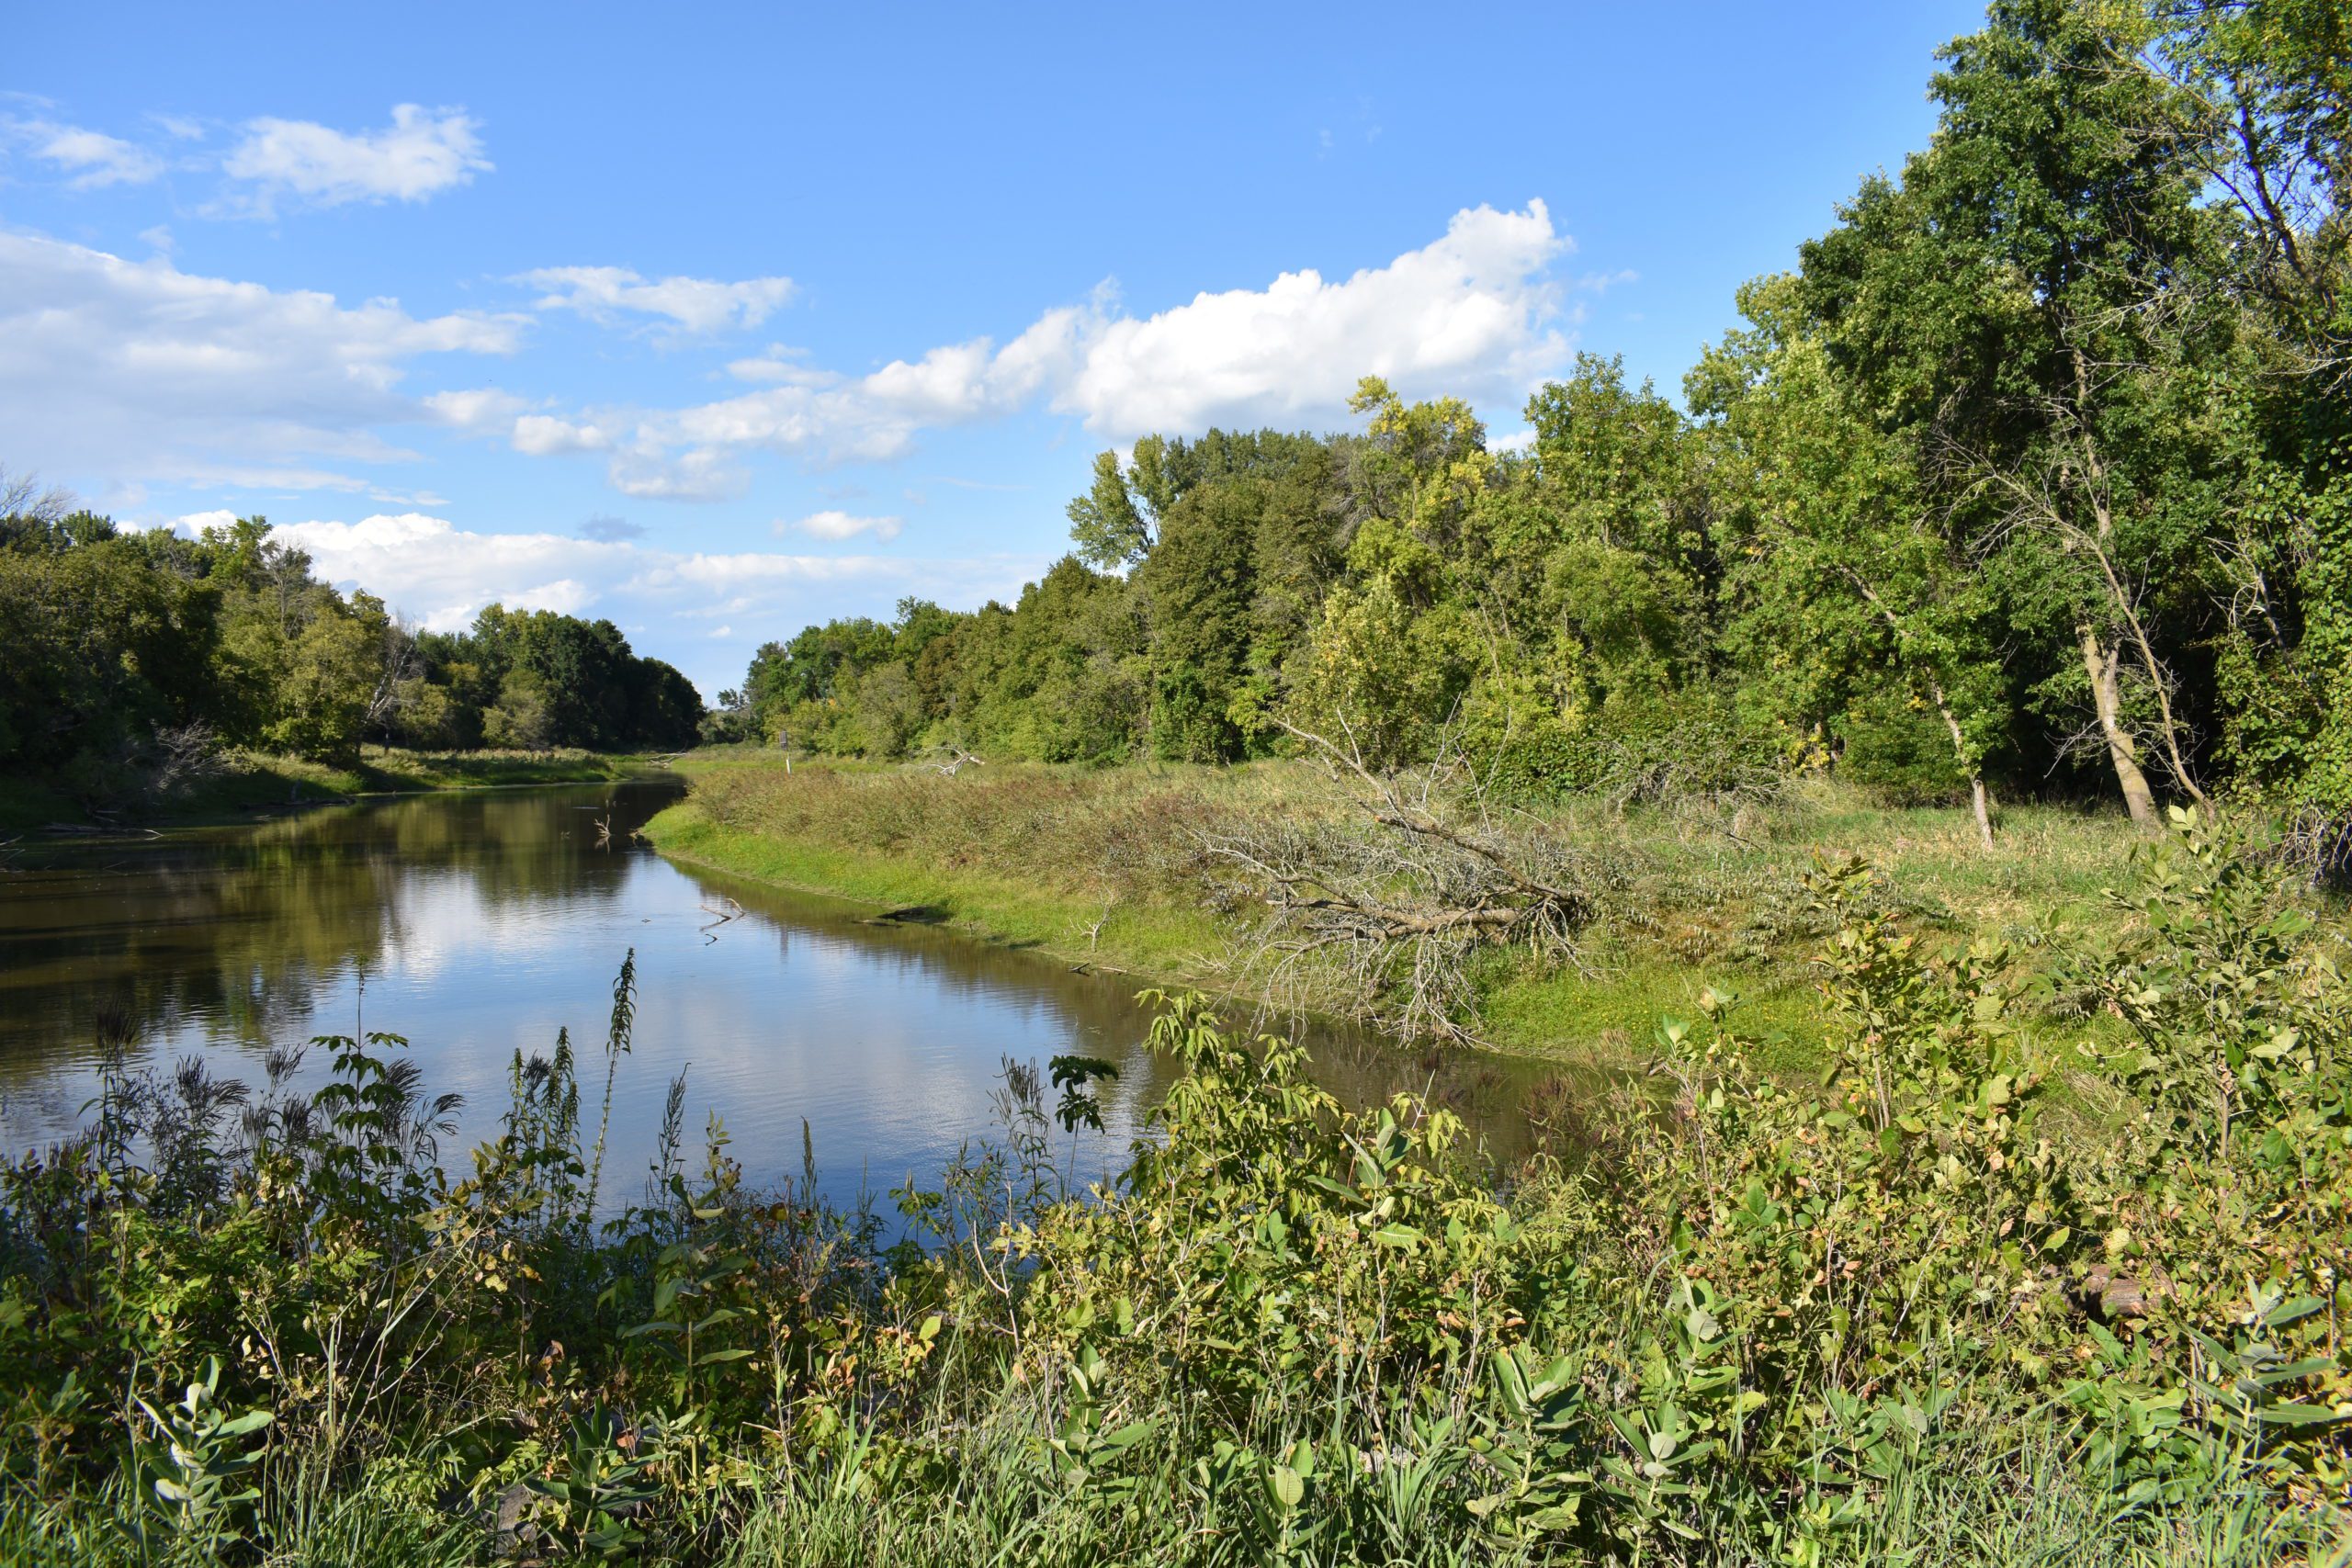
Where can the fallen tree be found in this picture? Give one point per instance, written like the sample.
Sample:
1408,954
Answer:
1379,904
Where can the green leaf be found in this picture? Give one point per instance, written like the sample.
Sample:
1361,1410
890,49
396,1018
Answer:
2293,1311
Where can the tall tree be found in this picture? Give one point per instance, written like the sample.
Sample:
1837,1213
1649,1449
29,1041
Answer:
1842,577
2026,305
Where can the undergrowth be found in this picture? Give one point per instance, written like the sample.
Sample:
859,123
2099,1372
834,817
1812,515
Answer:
1883,1317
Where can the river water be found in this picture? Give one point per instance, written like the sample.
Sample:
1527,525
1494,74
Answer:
477,925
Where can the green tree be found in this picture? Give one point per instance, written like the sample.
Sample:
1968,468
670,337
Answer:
2023,306
522,718
1112,530
1842,579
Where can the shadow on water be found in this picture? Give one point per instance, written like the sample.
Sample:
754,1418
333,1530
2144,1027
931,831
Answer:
477,925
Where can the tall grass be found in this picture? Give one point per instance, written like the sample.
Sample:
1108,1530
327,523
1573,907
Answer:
1115,866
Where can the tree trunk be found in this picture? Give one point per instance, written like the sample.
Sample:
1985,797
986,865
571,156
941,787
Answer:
2100,664
1975,774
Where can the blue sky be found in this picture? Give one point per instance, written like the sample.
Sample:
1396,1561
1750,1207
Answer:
717,320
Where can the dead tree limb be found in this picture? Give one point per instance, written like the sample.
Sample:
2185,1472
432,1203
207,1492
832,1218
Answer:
1378,906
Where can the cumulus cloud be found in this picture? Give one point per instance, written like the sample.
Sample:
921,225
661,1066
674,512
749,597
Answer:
147,373
1476,312
695,304
842,525
839,419
444,576
91,159
420,153
141,371
1469,314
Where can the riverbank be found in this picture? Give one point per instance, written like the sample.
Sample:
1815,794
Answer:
1882,1321
1119,868
251,782
1161,943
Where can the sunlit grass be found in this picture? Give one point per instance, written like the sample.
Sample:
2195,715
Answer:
245,781
1104,866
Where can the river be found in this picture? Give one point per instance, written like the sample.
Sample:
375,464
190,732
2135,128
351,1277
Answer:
479,924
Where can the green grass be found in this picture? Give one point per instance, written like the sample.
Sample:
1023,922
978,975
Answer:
1162,941
1036,855
264,779
255,781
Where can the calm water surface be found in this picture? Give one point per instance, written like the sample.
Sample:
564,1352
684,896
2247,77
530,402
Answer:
479,924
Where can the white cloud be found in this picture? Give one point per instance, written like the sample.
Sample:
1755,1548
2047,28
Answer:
867,418
649,475
137,370
477,410
542,436
1476,312
695,304
779,364
420,153
444,576
1466,314
842,525
91,158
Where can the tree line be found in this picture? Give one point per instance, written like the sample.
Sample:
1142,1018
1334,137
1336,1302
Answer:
2034,477
132,656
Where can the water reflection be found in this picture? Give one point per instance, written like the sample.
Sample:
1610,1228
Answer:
481,923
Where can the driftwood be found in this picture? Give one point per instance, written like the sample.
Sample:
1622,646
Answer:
726,910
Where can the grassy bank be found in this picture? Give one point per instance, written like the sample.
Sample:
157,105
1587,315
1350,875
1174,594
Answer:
1119,867
247,781
1163,942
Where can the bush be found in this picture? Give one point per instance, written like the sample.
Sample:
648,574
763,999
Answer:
1901,752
